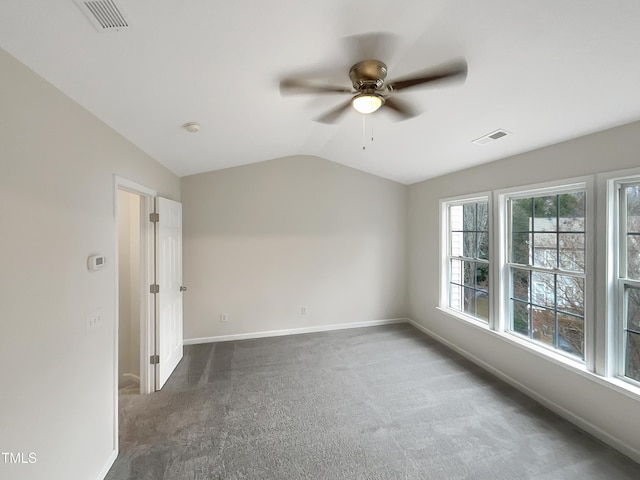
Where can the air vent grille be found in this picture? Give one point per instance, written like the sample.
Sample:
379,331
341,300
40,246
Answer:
104,15
491,137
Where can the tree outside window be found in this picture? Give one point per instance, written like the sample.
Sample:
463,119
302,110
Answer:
629,278
468,255
547,267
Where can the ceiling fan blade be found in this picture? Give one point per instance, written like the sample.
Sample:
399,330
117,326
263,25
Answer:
371,46
449,72
291,86
332,116
400,108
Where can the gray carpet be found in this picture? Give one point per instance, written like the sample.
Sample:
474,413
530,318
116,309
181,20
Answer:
369,403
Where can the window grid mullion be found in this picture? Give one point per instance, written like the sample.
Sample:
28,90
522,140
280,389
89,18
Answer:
557,233
463,293
622,283
468,259
550,314
556,271
622,225
532,227
530,313
555,311
630,282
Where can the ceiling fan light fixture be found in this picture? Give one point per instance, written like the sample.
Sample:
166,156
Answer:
367,102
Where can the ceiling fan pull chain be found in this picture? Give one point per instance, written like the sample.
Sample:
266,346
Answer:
364,131
372,122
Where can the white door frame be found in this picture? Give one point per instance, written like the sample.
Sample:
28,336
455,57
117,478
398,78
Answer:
147,305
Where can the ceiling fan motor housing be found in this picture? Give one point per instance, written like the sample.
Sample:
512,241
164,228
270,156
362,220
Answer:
368,75
370,88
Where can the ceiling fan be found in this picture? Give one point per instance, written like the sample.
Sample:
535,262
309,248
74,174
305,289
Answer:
370,89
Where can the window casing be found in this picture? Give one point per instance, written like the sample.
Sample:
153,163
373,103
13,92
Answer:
545,265
467,257
627,288
564,277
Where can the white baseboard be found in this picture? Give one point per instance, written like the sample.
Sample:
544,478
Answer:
129,376
293,331
105,470
568,415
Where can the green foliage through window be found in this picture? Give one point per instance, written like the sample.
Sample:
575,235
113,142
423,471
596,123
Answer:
547,264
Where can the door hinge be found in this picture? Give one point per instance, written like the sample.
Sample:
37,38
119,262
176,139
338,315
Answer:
154,217
154,359
155,288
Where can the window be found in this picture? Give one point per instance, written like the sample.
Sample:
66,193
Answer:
467,279
546,268
628,282
544,278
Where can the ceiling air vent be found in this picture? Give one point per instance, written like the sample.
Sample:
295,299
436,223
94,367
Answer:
104,15
490,137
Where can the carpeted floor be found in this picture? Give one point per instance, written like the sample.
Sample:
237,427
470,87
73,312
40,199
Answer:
368,403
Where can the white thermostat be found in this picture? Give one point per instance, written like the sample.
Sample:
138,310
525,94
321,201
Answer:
95,262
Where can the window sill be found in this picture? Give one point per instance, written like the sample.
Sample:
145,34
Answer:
547,353
576,366
465,318
619,385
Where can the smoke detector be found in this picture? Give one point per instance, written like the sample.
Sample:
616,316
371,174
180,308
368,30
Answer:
104,15
192,127
491,137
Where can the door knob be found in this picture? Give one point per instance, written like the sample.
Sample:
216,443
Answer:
183,289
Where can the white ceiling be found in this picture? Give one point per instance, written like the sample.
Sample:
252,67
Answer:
546,71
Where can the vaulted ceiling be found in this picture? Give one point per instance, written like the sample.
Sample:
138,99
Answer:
545,71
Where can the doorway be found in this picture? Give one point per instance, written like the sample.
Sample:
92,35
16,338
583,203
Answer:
135,306
147,335
129,292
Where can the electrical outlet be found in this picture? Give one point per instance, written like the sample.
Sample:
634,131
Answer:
223,317
93,321
303,310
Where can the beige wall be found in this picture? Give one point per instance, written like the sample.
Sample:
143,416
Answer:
260,242
57,166
611,414
263,240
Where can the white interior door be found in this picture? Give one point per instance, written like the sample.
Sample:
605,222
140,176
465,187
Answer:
169,339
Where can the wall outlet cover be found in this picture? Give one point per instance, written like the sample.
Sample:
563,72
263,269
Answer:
93,321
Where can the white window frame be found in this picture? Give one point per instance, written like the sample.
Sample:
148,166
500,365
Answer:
503,293
612,298
602,322
444,271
